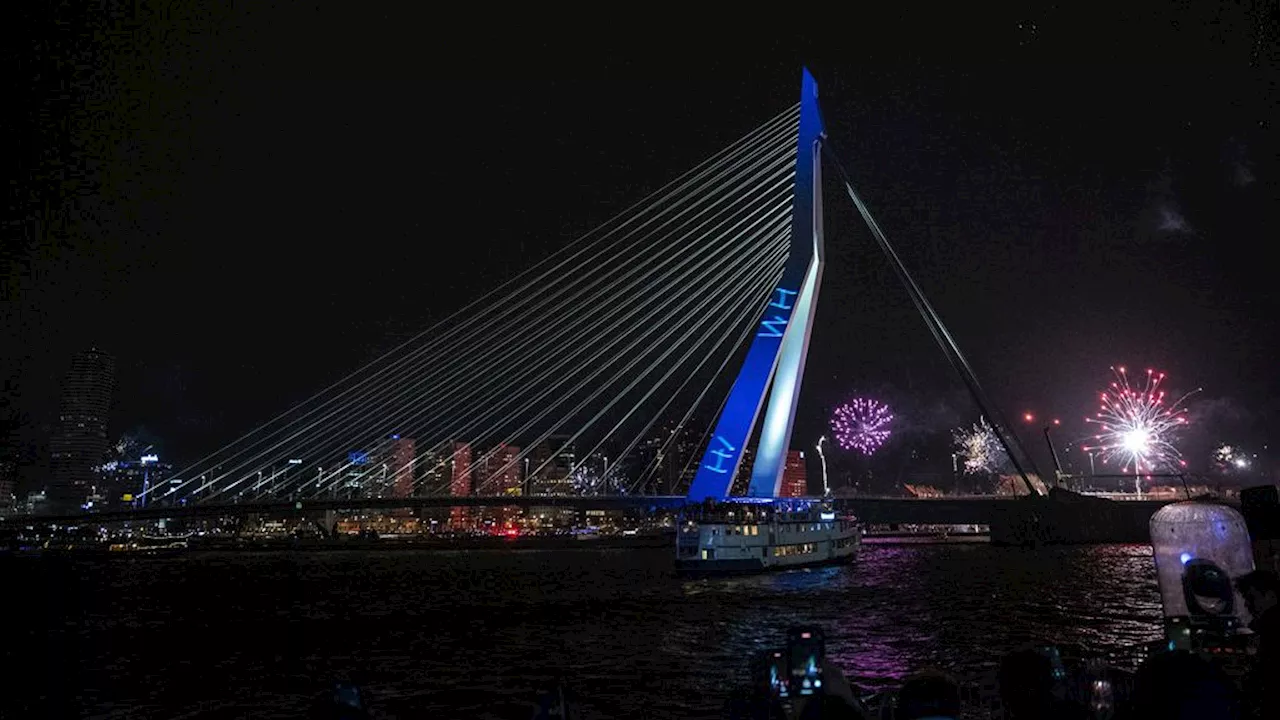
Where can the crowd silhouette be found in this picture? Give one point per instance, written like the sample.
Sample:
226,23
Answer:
1174,684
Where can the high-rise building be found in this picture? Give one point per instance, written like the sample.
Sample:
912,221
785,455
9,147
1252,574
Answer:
79,441
8,485
553,461
795,478
459,479
460,469
500,471
401,456
360,476
8,476
121,483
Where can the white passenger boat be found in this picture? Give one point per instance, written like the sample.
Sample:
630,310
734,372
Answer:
752,536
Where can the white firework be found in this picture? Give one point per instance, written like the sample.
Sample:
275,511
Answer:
980,448
587,480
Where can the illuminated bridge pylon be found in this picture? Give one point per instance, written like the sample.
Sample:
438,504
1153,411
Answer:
775,361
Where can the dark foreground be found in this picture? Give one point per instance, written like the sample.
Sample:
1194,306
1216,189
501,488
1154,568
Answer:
472,633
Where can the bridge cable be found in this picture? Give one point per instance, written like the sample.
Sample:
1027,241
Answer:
538,272
944,339
779,130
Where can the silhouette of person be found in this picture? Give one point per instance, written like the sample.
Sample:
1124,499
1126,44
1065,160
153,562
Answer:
929,695
1261,592
1027,688
1181,685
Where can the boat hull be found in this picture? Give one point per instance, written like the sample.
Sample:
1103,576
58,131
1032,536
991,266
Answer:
1067,518
751,566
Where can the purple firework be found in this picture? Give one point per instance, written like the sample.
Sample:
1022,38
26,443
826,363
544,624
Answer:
861,425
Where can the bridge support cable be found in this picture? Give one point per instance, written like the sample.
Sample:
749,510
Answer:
648,275
547,268
726,351
544,394
651,282
669,279
564,382
497,404
760,146
444,380
554,378
1012,446
708,315
746,318
666,202
475,362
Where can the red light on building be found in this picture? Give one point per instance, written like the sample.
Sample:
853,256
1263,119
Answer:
460,479
460,473
795,479
403,456
1028,417
501,471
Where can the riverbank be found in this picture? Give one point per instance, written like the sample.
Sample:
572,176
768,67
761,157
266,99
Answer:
376,544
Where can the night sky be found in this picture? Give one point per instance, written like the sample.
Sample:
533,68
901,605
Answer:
243,205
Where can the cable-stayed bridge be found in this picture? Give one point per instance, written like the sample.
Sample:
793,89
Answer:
645,361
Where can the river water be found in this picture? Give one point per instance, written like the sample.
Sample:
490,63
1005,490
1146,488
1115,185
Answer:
473,634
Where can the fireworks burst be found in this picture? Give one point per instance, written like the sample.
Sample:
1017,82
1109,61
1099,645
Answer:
1230,458
861,425
1138,426
980,448
587,480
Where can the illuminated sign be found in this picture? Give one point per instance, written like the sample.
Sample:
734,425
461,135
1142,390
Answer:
295,461
828,516
150,459
723,450
775,326
127,497
358,458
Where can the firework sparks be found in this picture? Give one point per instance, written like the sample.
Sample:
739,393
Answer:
1230,458
589,481
980,448
1137,426
861,425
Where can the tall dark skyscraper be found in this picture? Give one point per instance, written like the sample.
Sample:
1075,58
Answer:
79,440
553,460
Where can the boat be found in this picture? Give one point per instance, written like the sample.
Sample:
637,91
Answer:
1065,517
738,537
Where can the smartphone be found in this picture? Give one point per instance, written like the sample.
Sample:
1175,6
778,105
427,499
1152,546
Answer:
776,674
805,653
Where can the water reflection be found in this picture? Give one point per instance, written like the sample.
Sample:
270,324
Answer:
465,634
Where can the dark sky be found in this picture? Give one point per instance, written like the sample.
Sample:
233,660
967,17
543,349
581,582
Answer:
244,204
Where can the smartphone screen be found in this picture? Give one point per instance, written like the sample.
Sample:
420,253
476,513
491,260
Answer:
778,677
805,653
